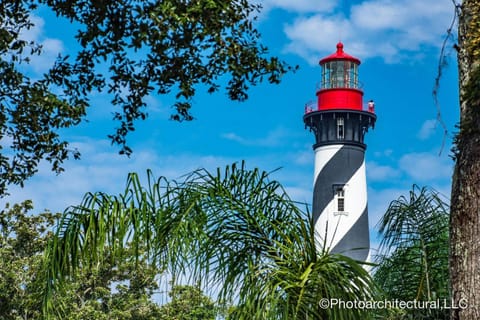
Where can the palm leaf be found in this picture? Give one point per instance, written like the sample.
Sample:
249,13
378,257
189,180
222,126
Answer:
234,230
413,260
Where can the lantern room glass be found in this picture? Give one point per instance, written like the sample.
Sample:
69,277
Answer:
340,74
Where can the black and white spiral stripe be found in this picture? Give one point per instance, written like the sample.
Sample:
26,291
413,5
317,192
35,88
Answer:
342,232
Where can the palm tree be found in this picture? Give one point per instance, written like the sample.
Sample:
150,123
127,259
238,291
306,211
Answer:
413,264
234,230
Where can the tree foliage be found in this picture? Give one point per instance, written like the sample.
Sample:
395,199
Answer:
414,260
188,303
110,291
233,229
116,289
22,241
131,49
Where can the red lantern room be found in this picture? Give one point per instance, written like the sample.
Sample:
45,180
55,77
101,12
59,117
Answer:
339,116
340,88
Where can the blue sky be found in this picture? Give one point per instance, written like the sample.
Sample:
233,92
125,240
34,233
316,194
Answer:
398,42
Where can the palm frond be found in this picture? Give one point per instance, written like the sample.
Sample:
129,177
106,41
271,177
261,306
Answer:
413,263
233,229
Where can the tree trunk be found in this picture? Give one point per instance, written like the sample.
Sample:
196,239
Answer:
465,199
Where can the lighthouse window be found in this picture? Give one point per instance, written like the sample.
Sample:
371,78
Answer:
340,195
348,74
354,75
335,74
340,128
338,74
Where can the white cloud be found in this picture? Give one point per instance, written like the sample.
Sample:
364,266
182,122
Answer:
34,32
378,172
427,129
301,195
304,157
392,30
299,5
51,47
302,35
426,167
273,138
383,153
235,137
102,169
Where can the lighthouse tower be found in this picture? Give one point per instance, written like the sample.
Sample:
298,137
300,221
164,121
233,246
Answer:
339,122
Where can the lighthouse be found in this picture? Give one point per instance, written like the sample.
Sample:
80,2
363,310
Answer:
339,121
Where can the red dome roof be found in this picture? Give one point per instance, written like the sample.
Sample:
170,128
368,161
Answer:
339,55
